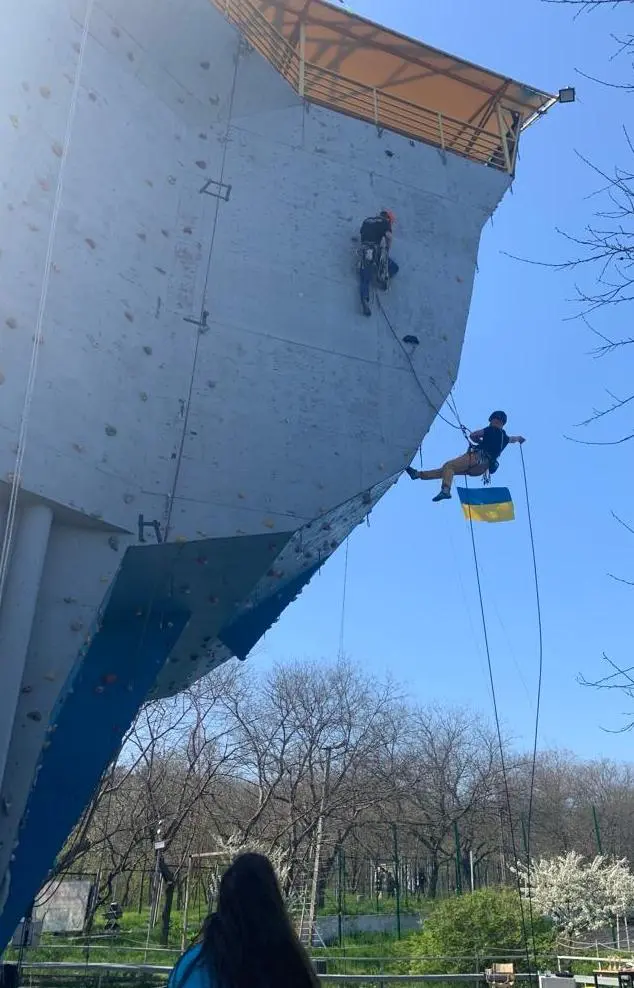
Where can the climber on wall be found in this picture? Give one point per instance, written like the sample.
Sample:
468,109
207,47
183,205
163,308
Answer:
485,448
376,243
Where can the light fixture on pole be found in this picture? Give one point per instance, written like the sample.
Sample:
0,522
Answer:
567,95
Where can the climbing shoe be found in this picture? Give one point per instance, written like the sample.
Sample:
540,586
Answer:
411,473
367,311
442,495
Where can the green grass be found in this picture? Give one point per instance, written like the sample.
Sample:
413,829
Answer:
353,905
126,947
362,953
131,946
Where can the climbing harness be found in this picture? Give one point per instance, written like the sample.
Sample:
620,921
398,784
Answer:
373,262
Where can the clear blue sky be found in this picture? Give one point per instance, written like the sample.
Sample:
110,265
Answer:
411,606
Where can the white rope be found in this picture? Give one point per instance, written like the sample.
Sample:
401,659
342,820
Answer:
16,480
342,626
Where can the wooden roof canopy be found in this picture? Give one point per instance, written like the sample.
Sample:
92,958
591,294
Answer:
338,44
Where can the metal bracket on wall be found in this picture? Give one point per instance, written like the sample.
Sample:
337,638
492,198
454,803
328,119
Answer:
201,323
219,190
154,525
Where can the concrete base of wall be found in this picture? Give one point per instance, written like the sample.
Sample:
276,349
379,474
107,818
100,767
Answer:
328,926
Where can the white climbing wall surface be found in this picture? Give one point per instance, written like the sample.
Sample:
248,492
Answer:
207,412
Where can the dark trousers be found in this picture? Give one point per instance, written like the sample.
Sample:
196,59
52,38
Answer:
365,277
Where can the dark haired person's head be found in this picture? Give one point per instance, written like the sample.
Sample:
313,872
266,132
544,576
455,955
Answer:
249,940
498,419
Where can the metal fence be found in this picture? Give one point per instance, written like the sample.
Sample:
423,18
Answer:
357,894
104,975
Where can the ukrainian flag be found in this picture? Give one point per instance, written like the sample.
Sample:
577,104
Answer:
487,504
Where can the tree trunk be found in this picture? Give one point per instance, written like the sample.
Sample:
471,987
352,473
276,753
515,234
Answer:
169,880
140,906
167,913
92,907
432,888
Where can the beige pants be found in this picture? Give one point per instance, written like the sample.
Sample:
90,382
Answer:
466,465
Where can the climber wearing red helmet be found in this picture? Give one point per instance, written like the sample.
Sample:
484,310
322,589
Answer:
376,243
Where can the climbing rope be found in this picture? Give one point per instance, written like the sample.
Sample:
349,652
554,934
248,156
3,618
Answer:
462,428
539,692
343,602
451,401
454,407
16,480
203,305
411,363
498,728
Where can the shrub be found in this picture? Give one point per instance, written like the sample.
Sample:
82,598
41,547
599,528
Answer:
475,929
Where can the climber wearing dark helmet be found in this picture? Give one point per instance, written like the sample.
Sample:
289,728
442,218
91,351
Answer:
485,448
375,260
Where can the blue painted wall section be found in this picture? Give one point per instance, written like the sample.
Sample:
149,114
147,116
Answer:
86,730
243,634
164,609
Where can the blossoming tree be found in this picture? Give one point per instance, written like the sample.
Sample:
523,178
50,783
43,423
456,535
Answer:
581,896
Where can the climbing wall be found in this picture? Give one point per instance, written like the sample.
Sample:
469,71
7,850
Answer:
196,182
183,363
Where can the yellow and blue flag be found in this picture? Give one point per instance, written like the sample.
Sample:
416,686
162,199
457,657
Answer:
487,504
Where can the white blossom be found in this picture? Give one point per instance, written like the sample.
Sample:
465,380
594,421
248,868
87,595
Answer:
579,896
235,845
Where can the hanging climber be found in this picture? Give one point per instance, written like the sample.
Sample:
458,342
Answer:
376,242
485,449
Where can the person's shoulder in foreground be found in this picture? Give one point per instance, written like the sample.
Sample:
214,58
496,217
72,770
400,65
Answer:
249,940
190,971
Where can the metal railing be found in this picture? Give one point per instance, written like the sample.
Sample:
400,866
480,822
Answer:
158,969
336,92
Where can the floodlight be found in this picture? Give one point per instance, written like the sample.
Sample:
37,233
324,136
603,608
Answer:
567,95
